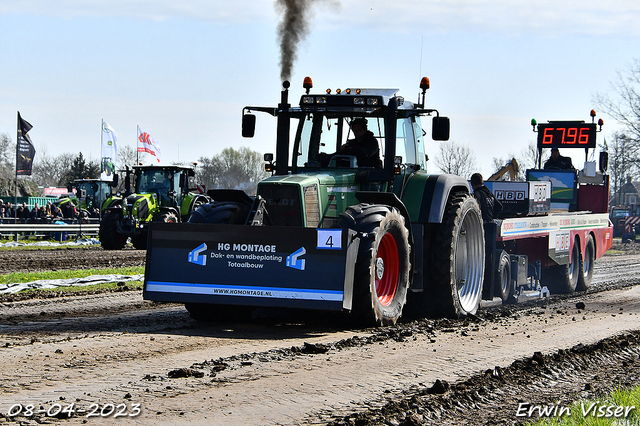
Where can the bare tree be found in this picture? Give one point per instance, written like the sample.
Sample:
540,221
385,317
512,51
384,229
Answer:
235,169
7,156
624,104
624,164
127,156
527,159
50,171
456,159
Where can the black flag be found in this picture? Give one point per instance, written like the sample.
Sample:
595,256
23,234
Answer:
24,148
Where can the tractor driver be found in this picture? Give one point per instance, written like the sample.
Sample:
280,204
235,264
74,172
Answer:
364,145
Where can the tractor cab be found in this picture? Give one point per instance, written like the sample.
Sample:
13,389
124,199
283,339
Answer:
92,193
167,184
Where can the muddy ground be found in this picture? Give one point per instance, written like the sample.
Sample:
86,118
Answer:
83,257
295,368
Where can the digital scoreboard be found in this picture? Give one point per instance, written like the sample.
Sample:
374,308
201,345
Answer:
567,134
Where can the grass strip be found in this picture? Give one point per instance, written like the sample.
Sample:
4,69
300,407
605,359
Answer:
24,277
621,407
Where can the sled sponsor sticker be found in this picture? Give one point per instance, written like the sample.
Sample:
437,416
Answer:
330,239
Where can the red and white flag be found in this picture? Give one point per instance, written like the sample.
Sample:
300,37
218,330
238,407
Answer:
146,143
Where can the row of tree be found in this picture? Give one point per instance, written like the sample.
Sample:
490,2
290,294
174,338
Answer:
237,169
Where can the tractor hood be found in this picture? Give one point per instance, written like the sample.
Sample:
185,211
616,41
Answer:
310,199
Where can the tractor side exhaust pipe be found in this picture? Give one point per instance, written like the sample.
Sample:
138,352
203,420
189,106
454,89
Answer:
284,125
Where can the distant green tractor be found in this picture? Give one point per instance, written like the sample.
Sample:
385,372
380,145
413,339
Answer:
161,195
90,196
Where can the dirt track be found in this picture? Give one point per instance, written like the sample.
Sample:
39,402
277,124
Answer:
297,369
68,258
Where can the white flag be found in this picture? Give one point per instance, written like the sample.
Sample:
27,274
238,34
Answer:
109,141
146,143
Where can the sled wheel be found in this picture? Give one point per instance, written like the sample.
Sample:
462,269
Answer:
457,258
503,277
588,260
110,239
382,267
563,279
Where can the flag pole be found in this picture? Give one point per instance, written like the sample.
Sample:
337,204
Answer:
136,145
101,127
15,196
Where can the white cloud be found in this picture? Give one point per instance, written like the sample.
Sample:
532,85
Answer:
542,17
157,10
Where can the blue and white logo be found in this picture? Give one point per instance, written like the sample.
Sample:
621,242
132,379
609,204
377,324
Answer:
196,257
294,262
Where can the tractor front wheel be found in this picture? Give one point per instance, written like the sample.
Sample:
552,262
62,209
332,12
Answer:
381,278
110,239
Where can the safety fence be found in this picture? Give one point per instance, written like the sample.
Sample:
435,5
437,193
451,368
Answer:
58,230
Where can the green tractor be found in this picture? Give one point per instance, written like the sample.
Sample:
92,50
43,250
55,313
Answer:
346,222
90,196
161,194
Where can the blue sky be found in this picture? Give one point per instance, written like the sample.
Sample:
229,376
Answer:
183,72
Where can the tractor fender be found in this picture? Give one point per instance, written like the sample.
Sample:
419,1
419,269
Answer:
426,195
198,198
117,208
112,204
389,199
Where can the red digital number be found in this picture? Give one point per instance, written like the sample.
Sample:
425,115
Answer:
584,136
548,137
572,135
563,130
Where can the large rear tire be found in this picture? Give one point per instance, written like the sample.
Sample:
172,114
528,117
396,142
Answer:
382,268
588,260
139,241
457,257
563,279
110,239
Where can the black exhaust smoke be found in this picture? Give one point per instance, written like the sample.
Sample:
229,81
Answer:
293,28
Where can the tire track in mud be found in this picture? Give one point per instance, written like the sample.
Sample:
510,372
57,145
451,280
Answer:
309,370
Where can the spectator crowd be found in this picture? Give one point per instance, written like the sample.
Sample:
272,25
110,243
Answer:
43,214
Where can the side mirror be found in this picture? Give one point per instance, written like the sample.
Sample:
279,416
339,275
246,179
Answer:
114,182
440,128
604,161
248,125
